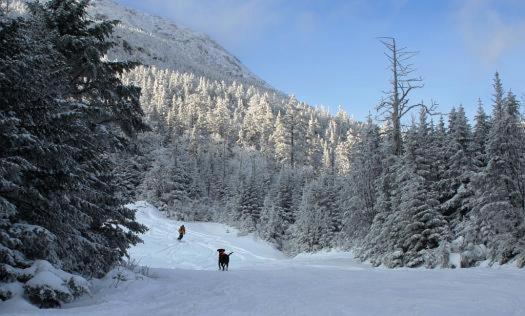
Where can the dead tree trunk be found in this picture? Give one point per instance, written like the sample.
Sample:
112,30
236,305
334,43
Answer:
397,104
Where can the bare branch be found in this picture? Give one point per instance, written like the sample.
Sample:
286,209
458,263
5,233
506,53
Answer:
403,82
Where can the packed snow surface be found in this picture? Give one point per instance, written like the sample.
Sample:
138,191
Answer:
184,281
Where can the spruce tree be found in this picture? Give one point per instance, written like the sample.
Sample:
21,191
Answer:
499,203
366,160
249,205
71,110
479,138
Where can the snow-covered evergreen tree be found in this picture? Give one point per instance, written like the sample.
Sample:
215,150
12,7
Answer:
361,196
479,138
499,205
64,110
458,169
250,203
422,227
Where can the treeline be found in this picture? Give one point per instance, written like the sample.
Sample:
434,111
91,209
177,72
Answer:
306,180
63,111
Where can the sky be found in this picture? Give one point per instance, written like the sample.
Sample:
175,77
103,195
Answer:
328,52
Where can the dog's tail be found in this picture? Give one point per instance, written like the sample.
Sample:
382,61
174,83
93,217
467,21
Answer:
230,253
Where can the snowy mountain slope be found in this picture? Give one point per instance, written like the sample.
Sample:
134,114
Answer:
262,281
153,40
157,41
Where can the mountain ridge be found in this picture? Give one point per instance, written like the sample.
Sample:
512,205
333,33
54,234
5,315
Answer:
158,41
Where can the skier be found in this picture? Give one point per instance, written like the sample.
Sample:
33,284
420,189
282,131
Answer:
182,232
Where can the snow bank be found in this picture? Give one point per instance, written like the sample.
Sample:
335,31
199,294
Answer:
44,285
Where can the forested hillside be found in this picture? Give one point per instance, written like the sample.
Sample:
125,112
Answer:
219,150
306,180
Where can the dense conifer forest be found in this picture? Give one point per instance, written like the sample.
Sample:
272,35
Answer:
307,180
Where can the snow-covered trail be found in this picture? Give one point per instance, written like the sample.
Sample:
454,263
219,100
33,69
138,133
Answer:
198,248
185,281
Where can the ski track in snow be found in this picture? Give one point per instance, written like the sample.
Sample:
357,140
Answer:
184,281
198,248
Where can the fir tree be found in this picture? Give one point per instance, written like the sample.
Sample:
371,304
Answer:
366,159
72,110
499,188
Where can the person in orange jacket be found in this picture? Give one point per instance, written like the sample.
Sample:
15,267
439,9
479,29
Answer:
182,232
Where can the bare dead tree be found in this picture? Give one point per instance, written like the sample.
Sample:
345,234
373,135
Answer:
396,102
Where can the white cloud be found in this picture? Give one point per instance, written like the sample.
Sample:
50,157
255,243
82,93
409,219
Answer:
487,29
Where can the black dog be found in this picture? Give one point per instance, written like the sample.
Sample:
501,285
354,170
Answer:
224,259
